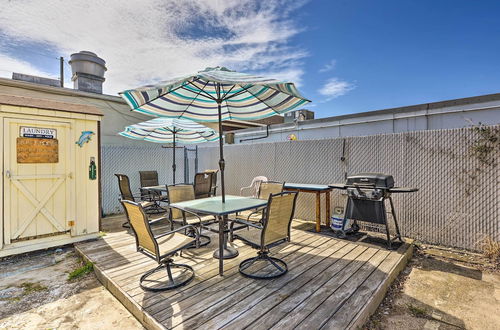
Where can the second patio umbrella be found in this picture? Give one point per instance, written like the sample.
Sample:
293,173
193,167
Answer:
214,95
170,130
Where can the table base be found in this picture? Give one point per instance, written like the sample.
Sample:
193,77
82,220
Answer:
229,253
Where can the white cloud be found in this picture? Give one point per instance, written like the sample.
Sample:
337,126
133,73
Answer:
150,40
9,64
335,87
328,66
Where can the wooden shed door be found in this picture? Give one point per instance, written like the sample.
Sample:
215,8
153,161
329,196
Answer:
37,194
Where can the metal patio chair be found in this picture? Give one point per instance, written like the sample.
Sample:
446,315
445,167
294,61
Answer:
203,184
274,230
214,180
160,248
183,193
127,195
147,179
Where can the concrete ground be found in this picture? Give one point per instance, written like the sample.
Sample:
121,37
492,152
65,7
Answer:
35,293
442,289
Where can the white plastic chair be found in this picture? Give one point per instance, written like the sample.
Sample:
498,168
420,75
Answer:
254,186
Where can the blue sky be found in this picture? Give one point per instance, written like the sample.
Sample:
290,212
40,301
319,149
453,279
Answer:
347,56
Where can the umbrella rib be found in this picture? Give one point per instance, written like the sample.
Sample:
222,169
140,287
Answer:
262,101
222,99
201,90
245,89
236,94
194,99
229,91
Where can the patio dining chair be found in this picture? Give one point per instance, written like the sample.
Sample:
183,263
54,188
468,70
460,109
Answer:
274,230
203,184
183,193
161,248
147,179
214,181
127,195
266,188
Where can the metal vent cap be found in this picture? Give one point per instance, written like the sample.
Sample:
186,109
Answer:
87,62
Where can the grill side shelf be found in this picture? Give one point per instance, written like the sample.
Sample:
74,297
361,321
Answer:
396,190
338,186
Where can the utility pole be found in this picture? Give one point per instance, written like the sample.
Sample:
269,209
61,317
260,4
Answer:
61,73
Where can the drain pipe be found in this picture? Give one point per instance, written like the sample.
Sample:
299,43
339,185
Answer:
259,137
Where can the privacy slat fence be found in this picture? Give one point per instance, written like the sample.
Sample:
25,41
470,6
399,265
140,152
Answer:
457,173
456,170
129,160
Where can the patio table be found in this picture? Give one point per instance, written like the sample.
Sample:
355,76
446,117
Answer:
160,188
214,206
317,189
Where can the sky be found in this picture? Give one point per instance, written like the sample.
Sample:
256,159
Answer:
347,56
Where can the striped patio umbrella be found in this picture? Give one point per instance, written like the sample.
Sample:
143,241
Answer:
170,130
214,95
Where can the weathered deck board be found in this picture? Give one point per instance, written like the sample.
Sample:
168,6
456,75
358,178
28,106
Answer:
331,283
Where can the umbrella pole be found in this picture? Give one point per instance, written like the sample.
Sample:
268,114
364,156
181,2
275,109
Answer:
221,151
173,161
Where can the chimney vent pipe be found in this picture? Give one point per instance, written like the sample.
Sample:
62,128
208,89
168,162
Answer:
88,71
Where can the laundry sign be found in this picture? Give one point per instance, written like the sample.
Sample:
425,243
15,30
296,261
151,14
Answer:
38,132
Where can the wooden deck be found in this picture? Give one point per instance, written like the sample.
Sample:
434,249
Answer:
331,284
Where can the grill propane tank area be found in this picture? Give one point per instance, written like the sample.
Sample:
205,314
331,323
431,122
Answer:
366,201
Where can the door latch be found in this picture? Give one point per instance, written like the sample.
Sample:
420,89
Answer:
7,173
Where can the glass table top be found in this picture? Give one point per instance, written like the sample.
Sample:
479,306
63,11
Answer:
214,205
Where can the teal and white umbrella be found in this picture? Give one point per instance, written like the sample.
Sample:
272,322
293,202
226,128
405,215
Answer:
170,130
214,95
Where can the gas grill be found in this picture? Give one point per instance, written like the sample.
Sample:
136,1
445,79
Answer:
366,196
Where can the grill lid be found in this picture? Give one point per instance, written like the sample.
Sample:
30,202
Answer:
376,180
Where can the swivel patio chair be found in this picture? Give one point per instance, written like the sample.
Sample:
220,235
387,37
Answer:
127,195
214,181
183,193
160,248
148,179
274,230
203,184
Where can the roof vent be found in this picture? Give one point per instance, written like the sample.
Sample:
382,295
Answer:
88,71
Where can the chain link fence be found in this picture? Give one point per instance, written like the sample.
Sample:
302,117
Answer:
456,171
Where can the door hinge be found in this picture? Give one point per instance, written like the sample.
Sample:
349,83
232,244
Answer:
7,173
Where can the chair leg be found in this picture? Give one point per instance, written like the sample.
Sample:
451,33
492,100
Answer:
171,282
271,267
204,239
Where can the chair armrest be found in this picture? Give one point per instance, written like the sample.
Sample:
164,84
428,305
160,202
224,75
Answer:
179,229
197,234
244,188
249,223
255,212
184,211
134,196
159,219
